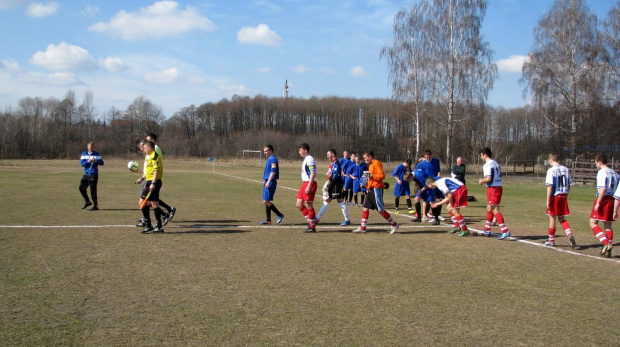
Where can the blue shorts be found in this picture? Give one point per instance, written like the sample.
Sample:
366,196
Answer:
424,195
348,183
402,189
268,193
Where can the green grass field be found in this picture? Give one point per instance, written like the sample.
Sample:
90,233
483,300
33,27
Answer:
72,277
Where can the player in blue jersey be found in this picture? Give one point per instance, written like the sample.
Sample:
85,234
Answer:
333,188
270,176
402,188
348,181
90,160
558,182
421,194
432,167
356,171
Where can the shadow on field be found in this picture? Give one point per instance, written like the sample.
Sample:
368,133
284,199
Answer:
216,230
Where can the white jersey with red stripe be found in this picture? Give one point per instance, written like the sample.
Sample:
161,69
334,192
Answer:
560,179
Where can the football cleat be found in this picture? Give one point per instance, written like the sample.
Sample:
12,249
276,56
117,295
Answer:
416,220
147,229
549,243
359,230
173,210
606,251
265,222
279,220
455,230
158,229
346,222
440,217
411,211
464,233
86,204
504,235
394,228
571,241
94,208
310,230
434,221
396,211
165,218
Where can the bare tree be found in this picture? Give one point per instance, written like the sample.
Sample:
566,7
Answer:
610,38
455,62
562,74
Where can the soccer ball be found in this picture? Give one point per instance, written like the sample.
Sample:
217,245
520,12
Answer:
133,166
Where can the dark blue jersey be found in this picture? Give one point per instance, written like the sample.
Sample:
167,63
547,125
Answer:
91,168
432,168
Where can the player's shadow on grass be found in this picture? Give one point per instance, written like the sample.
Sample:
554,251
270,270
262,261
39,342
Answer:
210,221
215,230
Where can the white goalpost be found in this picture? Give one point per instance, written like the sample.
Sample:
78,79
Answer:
250,157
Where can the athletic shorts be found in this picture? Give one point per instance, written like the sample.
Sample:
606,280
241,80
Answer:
402,189
357,186
558,206
460,197
374,200
268,193
334,190
348,183
154,193
424,195
605,212
301,195
494,195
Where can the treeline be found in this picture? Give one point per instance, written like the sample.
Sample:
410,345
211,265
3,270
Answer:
51,128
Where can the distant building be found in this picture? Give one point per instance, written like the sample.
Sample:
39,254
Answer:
286,89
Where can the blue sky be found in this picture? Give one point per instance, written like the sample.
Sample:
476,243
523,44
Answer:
179,53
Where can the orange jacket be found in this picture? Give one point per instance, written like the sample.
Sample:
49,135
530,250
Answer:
376,170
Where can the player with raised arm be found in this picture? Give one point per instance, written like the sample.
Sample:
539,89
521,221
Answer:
270,176
492,177
90,160
307,192
603,209
455,195
558,182
374,198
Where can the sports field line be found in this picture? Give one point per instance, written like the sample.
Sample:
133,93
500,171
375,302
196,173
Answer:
475,230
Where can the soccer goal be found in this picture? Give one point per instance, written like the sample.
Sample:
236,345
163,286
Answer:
251,158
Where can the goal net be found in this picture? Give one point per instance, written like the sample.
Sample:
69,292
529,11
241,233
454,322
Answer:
251,158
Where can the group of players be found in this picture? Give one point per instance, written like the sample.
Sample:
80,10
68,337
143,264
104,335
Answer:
363,176
434,191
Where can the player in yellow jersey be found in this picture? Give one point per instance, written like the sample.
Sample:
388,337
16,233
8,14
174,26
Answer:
153,174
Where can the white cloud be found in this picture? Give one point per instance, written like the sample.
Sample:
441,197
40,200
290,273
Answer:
162,19
261,35
9,64
165,76
90,10
112,64
513,64
301,69
358,71
64,57
38,9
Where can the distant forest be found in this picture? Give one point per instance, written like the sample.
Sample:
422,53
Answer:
51,128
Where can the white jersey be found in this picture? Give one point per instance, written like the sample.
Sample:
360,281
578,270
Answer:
491,169
448,185
608,179
559,178
307,167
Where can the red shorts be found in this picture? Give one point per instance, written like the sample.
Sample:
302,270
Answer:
558,206
605,212
494,195
301,195
460,197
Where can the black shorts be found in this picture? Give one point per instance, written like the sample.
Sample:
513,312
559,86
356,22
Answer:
335,189
154,193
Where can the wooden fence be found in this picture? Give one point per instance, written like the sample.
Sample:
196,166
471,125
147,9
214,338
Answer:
585,171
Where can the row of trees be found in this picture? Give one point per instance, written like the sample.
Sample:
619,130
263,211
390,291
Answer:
441,71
